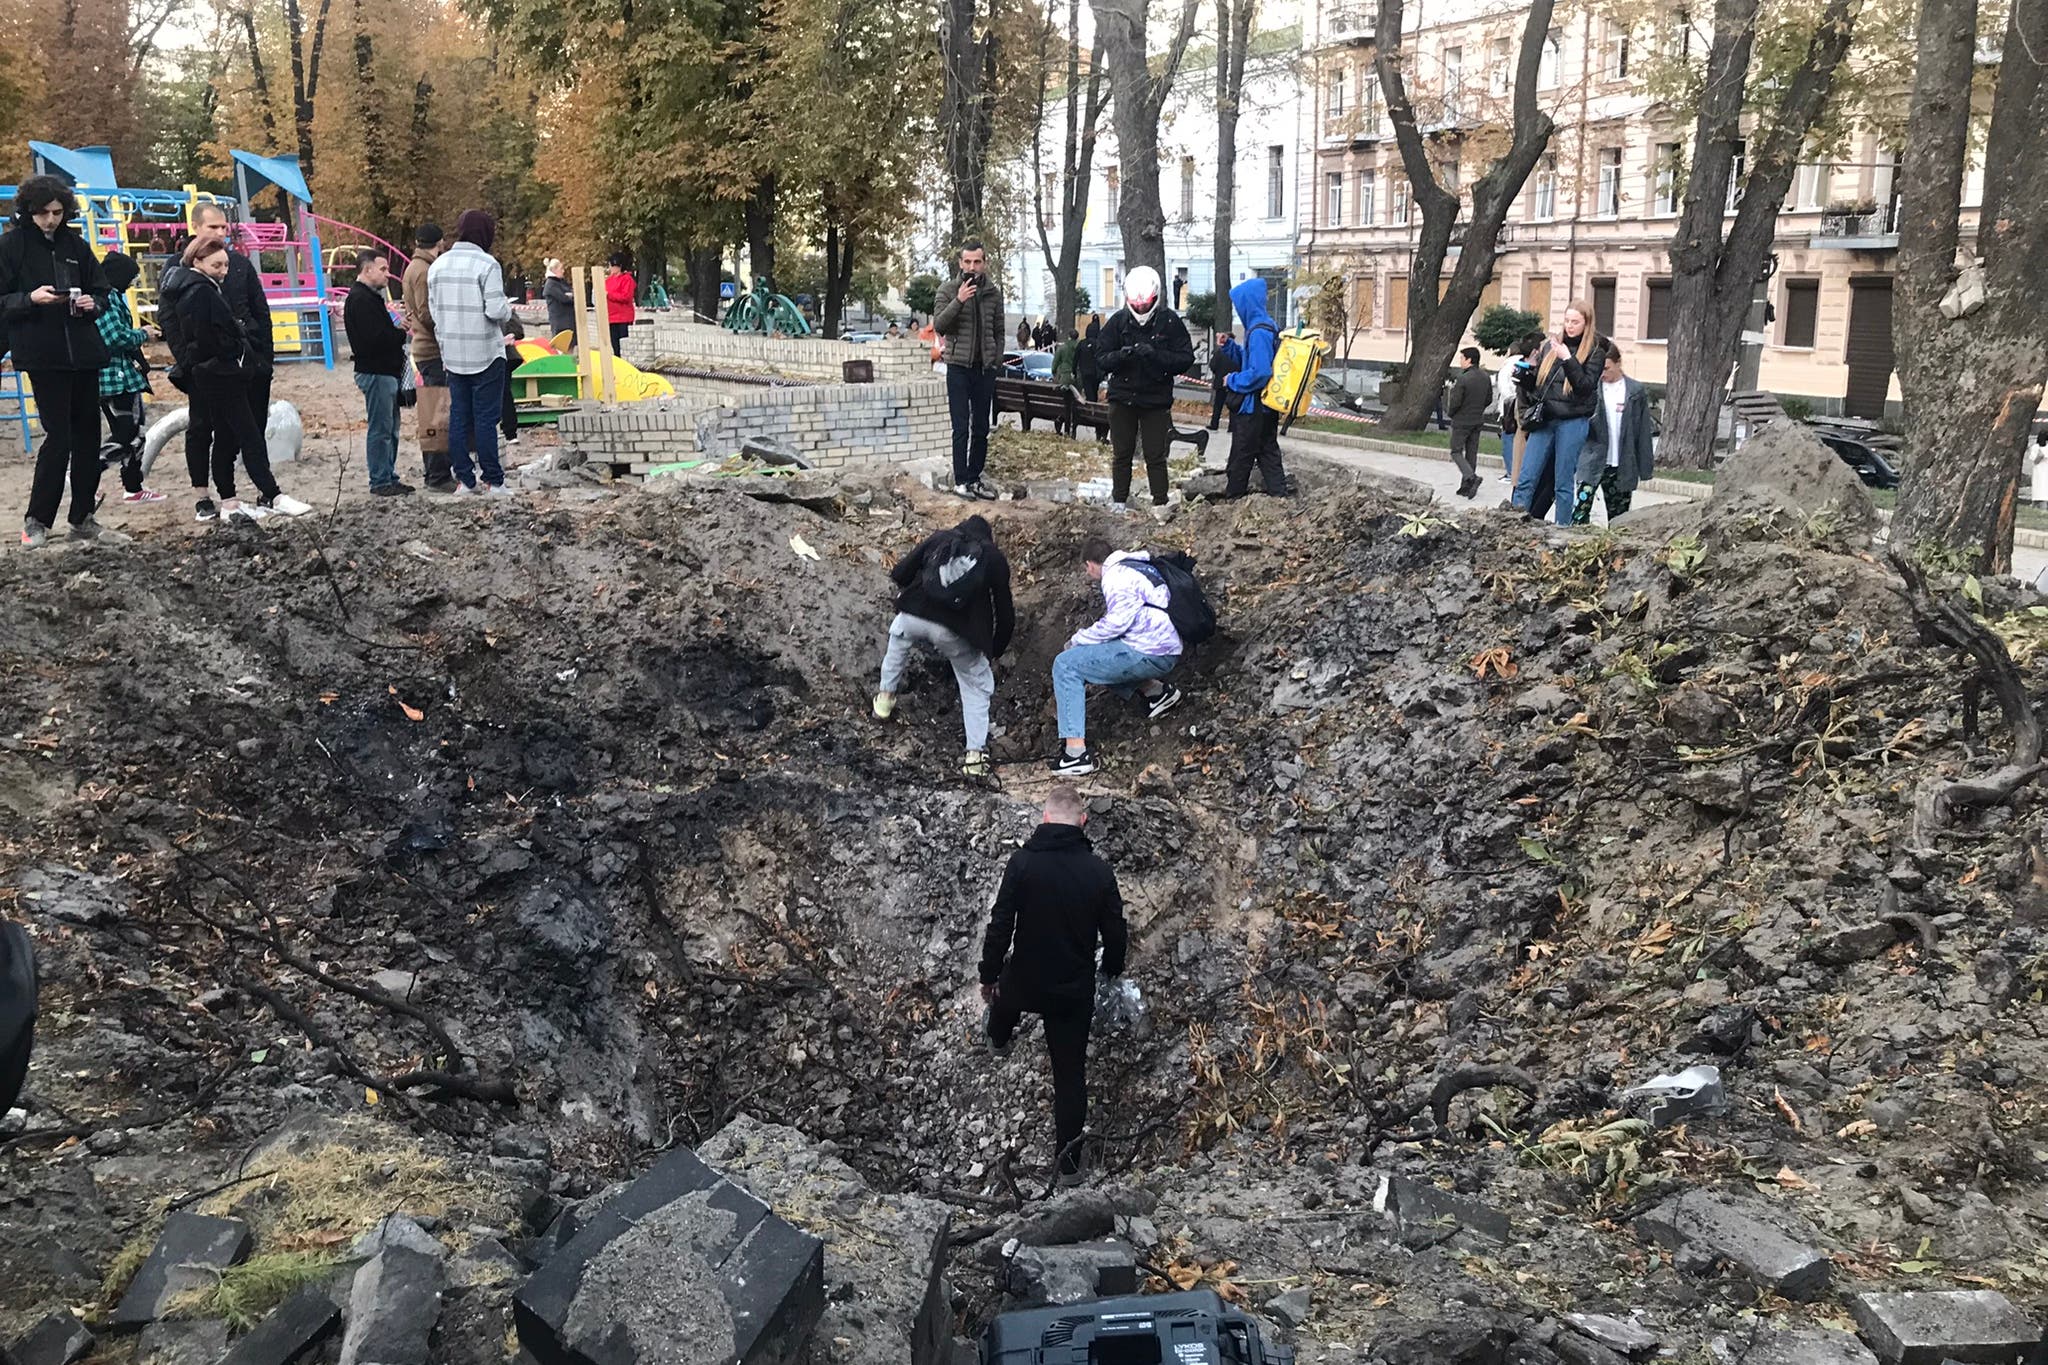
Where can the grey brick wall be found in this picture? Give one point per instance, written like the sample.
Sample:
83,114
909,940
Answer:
671,342
833,426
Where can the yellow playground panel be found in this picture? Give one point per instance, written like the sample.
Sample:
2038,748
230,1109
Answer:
1296,363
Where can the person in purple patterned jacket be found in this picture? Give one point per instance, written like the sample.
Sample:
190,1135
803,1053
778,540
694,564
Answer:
1130,650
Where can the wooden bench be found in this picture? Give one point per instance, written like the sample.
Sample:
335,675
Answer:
1087,414
1032,400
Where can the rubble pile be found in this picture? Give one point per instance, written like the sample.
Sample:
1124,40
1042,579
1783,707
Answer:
1542,964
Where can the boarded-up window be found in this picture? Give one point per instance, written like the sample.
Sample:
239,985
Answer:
1802,309
1397,303
1363,302
1603,306
1489,297
1656,310
1536,298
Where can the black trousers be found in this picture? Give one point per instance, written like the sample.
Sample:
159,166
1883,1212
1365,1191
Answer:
68,406
508,416
619,330
1254,439
221,409
970,397
438,464
123,446
1465,452
1130,427
1219,401
1066,1040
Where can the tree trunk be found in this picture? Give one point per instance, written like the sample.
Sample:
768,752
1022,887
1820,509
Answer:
1233,38
1971,383
1437,324
1715,266
1076,166
967,109
760,216
1137,93
704,264
838,272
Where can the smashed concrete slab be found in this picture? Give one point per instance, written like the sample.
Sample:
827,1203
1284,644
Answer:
1071,1274
198,1341
680,1265
59,1339
1930,1327
189,1254
392,1308
294,1327
1625,1335
1705,1226
1767,1347
885,1255
1428,1215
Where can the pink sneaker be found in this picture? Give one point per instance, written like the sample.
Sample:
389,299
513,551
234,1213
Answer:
143,495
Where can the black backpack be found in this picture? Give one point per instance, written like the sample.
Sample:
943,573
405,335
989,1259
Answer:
17,1010
955,570
1194,620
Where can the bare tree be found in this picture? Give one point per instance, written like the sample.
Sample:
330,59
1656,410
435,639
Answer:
1715,263
1234,20
1138,89
1972,340
1076,172
967,106
1436,324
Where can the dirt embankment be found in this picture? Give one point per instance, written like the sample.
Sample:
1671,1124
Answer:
591,784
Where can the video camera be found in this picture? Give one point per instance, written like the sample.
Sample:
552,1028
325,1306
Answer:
1191,1328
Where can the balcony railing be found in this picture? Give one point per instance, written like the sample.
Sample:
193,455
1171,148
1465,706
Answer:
1350,24
1845,226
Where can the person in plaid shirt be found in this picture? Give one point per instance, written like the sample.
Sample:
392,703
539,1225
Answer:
125,378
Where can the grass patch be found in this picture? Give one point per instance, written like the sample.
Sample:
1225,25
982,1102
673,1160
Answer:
1435,440
128,1260
245,1294
1705,476
1031,456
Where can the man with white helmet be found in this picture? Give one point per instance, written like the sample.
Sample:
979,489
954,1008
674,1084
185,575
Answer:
1143,346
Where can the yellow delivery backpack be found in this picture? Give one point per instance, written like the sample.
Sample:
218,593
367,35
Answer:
1296,362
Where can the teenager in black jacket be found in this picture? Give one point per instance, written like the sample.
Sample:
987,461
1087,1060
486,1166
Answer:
971,636
214,371
51,286
1057,901
377,344
1144,345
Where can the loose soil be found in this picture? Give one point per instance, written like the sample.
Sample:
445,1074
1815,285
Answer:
595,765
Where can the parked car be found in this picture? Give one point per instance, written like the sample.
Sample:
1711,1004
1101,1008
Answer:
1872,465
861,338
1028,365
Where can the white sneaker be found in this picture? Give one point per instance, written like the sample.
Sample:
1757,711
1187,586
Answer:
1119,509
494,490
963,490
289,505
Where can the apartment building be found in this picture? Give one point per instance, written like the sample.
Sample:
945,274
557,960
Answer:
1272,147
1596,218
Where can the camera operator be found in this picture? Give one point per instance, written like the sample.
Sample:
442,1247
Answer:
970,326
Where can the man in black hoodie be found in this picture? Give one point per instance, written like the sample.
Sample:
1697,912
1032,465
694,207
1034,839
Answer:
954,599
1056,902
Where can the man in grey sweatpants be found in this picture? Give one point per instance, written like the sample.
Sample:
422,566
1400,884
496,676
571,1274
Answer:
953,598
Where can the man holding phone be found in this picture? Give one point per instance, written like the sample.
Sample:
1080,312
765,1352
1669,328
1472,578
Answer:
970,328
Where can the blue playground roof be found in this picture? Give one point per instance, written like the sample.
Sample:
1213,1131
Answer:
92,167
253,172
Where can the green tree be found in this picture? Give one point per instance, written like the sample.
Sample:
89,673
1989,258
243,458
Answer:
1500,327
921,294
1201,311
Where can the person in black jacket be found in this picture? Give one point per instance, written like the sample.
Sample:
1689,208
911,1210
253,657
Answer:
377,345
1056,902
1471,396
971,630
243,290
1556,409
51,286
215,377
1224,361
1088,360
1144,345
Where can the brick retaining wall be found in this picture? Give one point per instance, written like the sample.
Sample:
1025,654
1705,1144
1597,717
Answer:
668,341
831,425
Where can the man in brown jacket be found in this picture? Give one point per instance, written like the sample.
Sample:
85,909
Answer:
970,324
426,351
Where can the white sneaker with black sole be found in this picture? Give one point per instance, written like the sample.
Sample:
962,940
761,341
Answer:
1155,707
1070,764
963,490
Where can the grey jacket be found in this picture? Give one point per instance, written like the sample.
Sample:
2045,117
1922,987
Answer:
1470,396
956,322
1638,464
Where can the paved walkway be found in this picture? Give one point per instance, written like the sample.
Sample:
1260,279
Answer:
1440,475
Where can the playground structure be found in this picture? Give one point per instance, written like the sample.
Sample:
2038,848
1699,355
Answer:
551,376
146,223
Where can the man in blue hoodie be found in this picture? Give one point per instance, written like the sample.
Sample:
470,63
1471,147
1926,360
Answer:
1254,427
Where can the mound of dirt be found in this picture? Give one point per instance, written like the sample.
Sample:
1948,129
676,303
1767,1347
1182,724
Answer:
570,817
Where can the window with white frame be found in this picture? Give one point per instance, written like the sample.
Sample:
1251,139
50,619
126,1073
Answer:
1664,179
1368,196
1333,99
1608,200
1276,182
1187,189
1398,205
1450,176
1811,191
1543,206
1553,55
1112,187
1333,199
1371,107
1614,51
1454,83
1500,66
1738,171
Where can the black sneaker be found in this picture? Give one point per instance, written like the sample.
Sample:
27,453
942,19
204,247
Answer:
1155,707
391,490
1067,764
988,1038
442,485
205,510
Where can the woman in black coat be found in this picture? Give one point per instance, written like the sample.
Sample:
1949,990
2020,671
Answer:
212,371
51,286
1088,359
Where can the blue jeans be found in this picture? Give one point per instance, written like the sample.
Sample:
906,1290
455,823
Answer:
1115,665
474,401
1507,452
1552,443
380,398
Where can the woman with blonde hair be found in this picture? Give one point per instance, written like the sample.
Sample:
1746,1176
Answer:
1558,387
561,302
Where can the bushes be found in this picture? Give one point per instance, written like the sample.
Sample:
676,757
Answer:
1500,327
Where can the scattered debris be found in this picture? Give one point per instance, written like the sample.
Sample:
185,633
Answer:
1674,1098
190,1253
1928,1327
1702,1227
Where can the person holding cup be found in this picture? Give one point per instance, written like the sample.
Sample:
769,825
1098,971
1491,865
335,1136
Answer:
51,288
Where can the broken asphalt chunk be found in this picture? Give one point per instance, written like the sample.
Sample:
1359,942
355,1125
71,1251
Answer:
174,1342
1703,1224
1069,1274
392,1308
58,1339
1421,1209
1625,1335
1766,1347
189,1254
680,1255
1971,1326
293,1327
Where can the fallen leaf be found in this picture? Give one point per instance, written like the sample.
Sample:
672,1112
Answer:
1785,1108
371,1096
1792,1180
411,712
329,698
1860,1128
